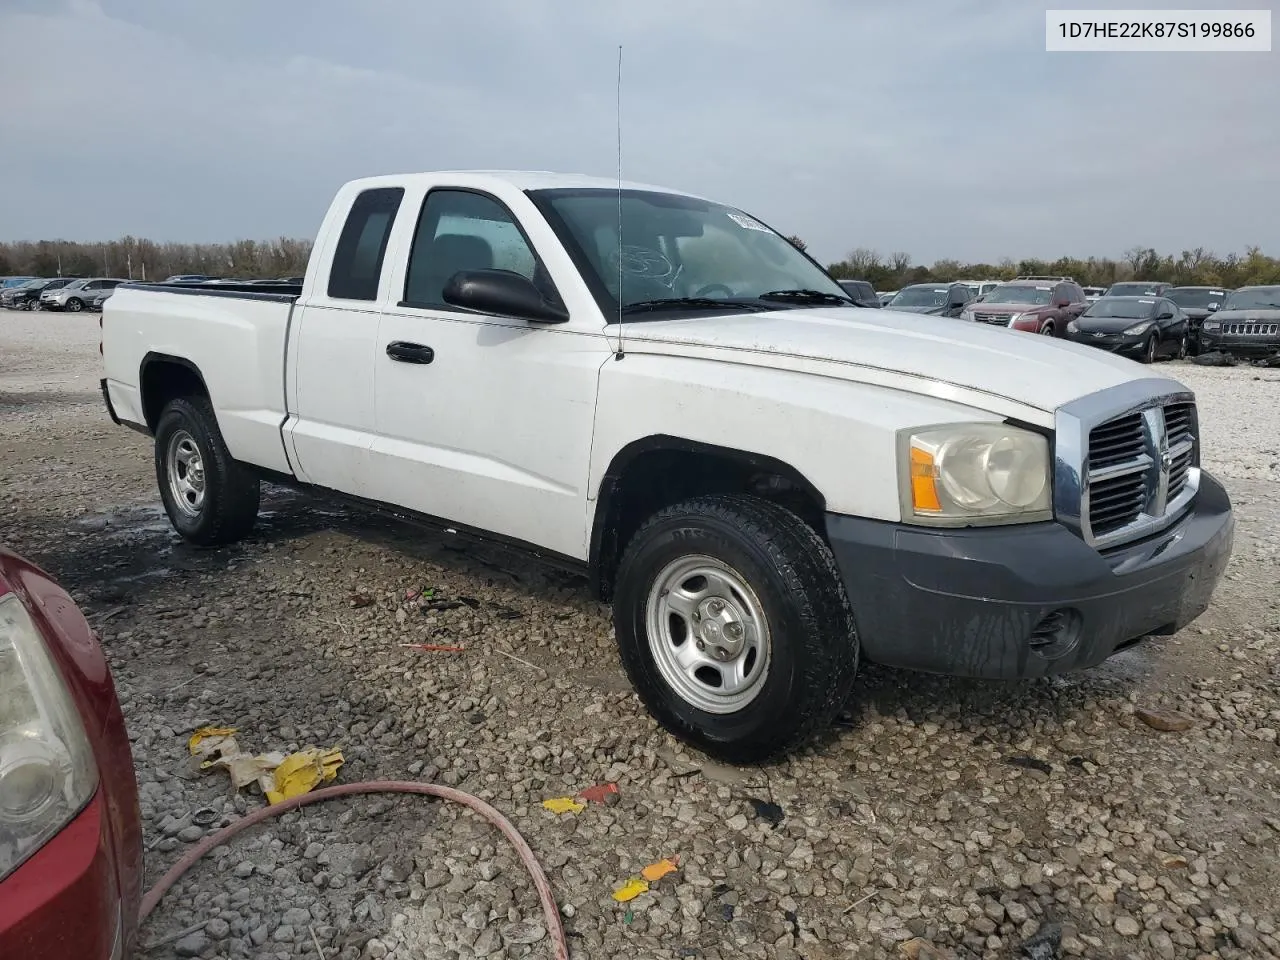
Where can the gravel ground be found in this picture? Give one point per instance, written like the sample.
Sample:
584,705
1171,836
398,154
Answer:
970,815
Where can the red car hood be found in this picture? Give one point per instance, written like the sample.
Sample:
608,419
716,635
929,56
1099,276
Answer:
1007,308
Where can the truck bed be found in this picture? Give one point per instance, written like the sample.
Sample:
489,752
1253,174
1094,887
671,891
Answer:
234,335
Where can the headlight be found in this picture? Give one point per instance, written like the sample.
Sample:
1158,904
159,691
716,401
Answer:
1211,325
1073,327
966,314
1138,329
973,473
47,771
1022,318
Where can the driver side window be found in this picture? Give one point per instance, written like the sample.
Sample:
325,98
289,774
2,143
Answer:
459,230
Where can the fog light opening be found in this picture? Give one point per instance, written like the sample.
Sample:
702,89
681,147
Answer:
1057,634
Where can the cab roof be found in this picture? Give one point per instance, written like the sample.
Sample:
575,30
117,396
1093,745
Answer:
519,179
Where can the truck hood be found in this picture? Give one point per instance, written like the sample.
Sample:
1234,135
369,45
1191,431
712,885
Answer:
862,345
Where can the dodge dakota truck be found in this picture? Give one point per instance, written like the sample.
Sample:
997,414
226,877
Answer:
766,480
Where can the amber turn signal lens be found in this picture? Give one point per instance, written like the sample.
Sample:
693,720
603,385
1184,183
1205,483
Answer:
924,482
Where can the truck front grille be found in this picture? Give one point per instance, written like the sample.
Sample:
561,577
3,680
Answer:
1139,471
1251,329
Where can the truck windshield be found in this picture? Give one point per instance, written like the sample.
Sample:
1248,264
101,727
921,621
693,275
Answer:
1132,290
1019,294
681,250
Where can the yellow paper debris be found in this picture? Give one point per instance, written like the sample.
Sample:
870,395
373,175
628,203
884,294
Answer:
656,871
630,890
211,734
564,805
301,772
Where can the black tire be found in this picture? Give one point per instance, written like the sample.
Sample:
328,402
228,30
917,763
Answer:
1048,329
1151,349
229,505
813,648
75,304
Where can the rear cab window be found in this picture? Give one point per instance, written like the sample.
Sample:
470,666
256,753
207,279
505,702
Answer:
362,246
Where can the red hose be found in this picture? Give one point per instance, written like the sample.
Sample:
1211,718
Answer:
555,928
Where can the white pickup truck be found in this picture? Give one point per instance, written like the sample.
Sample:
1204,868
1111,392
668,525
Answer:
766,480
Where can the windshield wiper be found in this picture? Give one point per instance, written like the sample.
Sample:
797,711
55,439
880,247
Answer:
690,303
807,296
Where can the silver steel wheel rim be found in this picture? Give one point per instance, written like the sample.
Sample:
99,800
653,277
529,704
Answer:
185,469
708,634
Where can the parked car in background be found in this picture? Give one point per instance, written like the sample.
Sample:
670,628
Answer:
10,297
1142,328
1247,324
1197,303
1032,305
9,282
1139,288
861,292
27,296
1093,293
932,299
981,287
77,295
885,296
187,278
70,826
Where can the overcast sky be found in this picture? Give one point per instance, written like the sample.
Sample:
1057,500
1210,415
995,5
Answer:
936,127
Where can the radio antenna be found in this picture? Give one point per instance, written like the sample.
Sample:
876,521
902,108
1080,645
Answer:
620,353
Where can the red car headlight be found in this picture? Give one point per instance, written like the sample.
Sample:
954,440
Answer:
47,769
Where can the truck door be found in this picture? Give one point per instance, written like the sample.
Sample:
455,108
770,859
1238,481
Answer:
484,421
332,348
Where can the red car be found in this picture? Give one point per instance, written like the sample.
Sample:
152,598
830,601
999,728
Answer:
1031,304
70,829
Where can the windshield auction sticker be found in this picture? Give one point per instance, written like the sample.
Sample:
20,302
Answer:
1157,31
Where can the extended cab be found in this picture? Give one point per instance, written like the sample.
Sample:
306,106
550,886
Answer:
767,480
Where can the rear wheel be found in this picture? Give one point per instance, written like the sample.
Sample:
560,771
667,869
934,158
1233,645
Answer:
75,304
733,625
209,497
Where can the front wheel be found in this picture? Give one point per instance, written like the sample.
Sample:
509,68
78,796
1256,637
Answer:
209,497
1150,349
1047,330
75,304
733,626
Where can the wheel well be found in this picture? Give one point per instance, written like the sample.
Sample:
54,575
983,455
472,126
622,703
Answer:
164,378
659,471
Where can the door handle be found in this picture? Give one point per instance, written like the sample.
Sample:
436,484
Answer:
406,352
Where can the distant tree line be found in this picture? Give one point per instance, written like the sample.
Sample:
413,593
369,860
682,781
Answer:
1192,268
138,259
148,260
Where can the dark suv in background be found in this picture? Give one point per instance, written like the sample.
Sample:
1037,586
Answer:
1042,305
1197,303
861,292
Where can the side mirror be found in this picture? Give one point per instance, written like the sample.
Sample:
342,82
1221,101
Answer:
504,293
1062,304
1213,307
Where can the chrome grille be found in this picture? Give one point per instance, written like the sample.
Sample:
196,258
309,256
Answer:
996,319
1126,473
1251,329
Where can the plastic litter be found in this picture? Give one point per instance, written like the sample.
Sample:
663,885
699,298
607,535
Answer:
631,889
599,793
564,805
656,871
279,776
